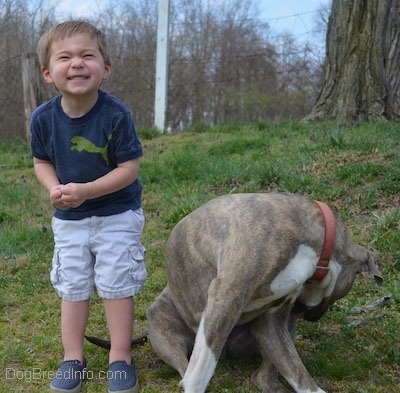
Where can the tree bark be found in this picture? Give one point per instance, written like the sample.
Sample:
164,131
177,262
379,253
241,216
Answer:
34,88
361,79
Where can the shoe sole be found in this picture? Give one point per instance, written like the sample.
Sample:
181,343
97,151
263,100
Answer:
74,390
134,389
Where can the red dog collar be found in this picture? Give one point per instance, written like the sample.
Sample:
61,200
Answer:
329,242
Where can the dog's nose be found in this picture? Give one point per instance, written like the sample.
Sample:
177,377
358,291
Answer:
311,314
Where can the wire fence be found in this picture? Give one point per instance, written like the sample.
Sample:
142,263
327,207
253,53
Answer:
264,74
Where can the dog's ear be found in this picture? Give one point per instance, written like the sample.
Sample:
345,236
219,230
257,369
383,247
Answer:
372,268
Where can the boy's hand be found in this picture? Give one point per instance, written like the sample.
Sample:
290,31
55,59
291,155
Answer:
73,194
56,197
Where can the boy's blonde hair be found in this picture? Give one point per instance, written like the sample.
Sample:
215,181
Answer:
66,30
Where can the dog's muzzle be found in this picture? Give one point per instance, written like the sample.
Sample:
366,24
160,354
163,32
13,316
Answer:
311,314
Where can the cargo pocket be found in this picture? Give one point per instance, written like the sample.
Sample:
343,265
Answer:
56,265
138,270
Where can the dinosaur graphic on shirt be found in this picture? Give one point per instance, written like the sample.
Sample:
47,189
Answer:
80,143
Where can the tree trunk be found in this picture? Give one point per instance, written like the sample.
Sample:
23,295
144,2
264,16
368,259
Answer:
34,88
362,63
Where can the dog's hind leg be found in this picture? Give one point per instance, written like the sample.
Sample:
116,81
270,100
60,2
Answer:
277,347
169,336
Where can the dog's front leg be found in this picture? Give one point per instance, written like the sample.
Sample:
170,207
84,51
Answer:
218,319
267,376
276,344
201,365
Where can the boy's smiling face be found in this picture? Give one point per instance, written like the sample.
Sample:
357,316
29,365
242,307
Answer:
76,66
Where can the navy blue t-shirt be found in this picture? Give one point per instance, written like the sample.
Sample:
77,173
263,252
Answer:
86,148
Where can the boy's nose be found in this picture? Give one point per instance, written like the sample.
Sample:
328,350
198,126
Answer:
77,62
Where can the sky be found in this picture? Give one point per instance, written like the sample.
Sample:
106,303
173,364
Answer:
292,16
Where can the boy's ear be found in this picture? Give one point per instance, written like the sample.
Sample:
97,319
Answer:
107,71
46,75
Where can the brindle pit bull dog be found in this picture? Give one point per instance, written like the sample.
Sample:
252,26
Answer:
240,268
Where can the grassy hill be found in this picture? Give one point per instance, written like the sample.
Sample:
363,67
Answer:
356,170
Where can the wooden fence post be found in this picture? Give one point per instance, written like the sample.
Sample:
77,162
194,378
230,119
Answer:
34,88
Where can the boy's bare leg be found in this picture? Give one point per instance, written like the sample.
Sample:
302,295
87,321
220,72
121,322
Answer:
74,317
120,317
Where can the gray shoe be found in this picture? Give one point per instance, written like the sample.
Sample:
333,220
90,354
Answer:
69,377
122,377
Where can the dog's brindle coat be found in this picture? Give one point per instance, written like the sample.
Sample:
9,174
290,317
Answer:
238,272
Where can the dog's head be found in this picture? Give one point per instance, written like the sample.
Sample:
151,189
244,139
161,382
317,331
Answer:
337,286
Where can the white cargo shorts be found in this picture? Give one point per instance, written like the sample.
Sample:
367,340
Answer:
102,254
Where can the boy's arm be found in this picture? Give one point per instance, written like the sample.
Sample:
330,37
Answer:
120,177
47,176
74,194
46,173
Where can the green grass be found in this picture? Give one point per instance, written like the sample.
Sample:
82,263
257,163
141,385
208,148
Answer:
355,170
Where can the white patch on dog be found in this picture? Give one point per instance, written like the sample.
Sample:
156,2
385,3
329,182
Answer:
296,273
290,281
201,365
313,292
300,390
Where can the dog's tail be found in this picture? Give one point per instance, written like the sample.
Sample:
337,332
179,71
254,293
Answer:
137,340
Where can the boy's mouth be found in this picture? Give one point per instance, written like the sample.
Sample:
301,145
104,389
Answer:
78,77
